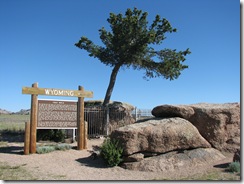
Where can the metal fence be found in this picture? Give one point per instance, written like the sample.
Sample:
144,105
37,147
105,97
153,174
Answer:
140,114
97,121
101,121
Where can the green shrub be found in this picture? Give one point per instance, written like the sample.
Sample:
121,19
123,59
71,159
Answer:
234,167
111,152
59,135
63,147
51,135
44,149
44,135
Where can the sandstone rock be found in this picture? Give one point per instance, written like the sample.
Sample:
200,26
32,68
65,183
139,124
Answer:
134,158
219,124
112,104
166,111
174,161
159,136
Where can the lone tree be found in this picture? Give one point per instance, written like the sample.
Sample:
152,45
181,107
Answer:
130,44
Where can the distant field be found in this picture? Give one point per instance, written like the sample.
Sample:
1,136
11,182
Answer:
13,122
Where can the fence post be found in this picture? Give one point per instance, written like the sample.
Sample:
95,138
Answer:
27,138
107,120
86,135
136,113
81,124
33,125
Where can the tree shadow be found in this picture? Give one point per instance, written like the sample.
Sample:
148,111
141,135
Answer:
11,137
224,166
18,150
90,162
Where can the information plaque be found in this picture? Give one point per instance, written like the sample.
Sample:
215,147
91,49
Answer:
56,114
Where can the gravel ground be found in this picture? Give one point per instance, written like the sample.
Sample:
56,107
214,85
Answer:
78,165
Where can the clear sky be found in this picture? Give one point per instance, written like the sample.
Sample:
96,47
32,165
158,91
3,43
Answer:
37,45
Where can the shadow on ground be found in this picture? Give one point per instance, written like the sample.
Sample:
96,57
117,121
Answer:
11,137
90,162
18,150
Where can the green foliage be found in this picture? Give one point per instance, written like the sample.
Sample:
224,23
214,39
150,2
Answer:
44,149
129,43
63,147
111,152
51,135
234,167
44,135
59,135
50,148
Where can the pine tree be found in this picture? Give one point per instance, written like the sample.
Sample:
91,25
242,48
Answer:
130,44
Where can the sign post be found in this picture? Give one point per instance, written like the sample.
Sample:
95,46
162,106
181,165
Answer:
80,93
81,124
33,120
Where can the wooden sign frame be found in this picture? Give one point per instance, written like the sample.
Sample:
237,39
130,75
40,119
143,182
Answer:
30,129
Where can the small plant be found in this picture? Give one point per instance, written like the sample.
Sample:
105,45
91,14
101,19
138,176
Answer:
63,147
50,148
59,135
111,152
51,135
234,167
45,149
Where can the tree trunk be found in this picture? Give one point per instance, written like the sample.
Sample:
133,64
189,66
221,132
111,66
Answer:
111,85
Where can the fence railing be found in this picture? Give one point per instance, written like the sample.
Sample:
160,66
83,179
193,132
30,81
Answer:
101,121
139,114
97,121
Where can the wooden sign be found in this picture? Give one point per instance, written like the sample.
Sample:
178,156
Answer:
56,114
56,92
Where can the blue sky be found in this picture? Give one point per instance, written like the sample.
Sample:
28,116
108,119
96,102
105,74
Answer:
38,37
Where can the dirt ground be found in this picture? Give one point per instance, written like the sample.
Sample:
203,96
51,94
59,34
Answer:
78,165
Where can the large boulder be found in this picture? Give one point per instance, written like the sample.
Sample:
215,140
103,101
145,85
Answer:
174,161
167,111
219,124
159,136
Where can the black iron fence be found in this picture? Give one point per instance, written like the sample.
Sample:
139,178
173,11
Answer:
101,121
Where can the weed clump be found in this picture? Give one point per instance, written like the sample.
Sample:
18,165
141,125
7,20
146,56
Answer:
44,149
63,147
234,167
50,148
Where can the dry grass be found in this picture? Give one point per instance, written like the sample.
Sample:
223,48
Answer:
215,175
8,172
13,122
